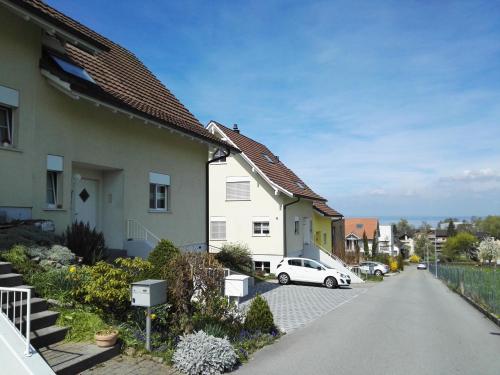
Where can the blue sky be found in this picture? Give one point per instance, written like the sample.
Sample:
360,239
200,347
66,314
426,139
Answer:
384,108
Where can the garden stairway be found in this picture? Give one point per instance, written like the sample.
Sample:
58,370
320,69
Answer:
46,337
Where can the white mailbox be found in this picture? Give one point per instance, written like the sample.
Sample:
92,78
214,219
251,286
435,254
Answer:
148,293
236,285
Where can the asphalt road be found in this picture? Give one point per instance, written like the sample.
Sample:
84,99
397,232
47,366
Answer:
408,324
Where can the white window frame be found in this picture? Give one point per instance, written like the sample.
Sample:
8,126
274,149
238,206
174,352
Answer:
237,180
218,220
260,223
54,177
157,181
9,141
263,266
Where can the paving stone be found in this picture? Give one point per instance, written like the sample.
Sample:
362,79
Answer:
294,306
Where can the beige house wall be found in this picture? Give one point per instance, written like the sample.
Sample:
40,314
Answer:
96,143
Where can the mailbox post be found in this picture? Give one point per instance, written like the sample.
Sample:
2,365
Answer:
149,293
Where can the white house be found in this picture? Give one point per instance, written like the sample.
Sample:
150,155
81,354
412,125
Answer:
254,199
386,241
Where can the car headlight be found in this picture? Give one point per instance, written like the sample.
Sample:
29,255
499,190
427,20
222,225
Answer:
343,276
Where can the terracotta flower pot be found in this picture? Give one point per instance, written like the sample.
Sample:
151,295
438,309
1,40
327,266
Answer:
106,338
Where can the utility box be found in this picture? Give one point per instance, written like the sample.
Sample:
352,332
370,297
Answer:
236,285
148,293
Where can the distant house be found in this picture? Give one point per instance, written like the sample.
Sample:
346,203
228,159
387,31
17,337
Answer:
408,242
256,200
88,133
354,230
438,238
386,241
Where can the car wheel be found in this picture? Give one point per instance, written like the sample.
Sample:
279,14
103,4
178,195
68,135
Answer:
283,278
378,273
331,282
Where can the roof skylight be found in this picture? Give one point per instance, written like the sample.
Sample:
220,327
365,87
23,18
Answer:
73,69
268,158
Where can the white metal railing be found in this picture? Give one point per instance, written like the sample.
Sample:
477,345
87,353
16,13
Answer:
9,312
137,231
332,255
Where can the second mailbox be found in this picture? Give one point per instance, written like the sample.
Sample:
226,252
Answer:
148,293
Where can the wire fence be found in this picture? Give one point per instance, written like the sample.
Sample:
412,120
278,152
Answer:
482,285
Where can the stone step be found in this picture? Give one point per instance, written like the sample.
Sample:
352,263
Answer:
73,358
37,305
47,336
40,319
5,267
11,279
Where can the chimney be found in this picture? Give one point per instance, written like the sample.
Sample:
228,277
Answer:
235,128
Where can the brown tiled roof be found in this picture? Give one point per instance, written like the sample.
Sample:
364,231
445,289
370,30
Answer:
325,209
359,225
121,79
276,171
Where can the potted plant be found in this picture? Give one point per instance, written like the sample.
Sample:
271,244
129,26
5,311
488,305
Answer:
106,337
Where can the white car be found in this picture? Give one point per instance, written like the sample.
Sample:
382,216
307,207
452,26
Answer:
422,266
311,271
379,269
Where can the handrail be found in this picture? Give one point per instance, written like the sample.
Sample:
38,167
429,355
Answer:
137,231
4,312
331,255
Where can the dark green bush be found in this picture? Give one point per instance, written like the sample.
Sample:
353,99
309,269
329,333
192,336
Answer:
162,254
26,235
236,257
85,242
21,263
259,317
401,263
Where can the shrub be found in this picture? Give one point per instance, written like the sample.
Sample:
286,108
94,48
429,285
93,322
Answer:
85,242
200,353
27,235
56,284
414,258
393,265
56,254
236,257
107,286
400,262
162,254
82,324
18,256
259,317
249,343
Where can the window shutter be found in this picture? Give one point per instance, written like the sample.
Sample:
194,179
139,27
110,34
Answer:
218,230
238,190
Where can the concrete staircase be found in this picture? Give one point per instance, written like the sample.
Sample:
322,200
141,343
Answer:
45,336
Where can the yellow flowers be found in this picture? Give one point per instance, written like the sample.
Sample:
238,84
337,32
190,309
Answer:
414,258
394,265
153,316
72,269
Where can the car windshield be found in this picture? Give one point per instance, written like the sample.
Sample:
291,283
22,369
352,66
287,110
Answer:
324,265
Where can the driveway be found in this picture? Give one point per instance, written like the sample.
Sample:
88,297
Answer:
409,324
294,306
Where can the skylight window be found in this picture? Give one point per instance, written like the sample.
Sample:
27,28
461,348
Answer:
73,69
359,226
300,185
268,158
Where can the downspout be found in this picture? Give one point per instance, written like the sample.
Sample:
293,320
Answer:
207,195
285,248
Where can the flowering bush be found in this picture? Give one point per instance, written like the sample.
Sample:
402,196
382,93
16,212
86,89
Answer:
414,258
200,353
393,265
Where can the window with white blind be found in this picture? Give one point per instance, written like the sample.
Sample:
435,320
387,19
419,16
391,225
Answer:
6,138
218,228
238,189
159,192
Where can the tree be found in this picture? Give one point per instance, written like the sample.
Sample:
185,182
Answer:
425,227
375,244
366,248
490,225
489,250
423,246
403,227
451,231
462,243
357,250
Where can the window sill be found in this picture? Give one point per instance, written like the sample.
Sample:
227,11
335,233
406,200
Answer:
13,149
151,211
54,209
218,239
238,200
261,235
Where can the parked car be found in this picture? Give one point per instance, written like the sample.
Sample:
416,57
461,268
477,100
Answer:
422,266
311,271
379,269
